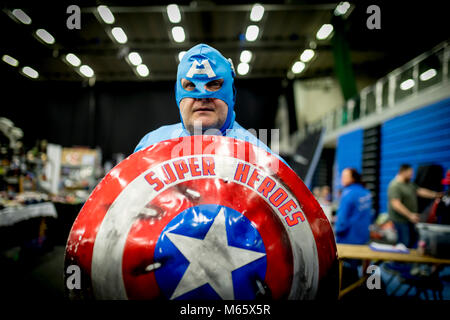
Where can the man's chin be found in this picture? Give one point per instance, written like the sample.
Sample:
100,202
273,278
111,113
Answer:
205,121
202,126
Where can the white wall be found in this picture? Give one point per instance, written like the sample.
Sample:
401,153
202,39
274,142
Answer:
282,124
316,97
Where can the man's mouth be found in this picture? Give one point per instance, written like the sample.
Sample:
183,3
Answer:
203,109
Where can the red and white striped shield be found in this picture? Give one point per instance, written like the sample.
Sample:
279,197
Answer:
202,217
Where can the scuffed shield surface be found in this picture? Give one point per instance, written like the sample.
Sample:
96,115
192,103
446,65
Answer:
202,217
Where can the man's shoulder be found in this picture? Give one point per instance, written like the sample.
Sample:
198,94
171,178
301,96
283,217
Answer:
397,189
361,188
166,132
393,184
169,127
354,190
239,132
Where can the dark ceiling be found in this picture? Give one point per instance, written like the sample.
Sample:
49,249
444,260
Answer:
287,28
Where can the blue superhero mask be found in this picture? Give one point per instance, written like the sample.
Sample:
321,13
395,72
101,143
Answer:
200,65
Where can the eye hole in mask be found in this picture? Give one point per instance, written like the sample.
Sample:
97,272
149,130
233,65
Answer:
213,85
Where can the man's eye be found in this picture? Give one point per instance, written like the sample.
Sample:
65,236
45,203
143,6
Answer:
214,85
188,85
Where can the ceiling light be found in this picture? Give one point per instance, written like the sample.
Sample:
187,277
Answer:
341,8
73,59
142,70
246,56
86,71
407,84
119,35
324,31
307,55
21,16
45,36
173,13
30,72
178,34
106,14
135,58
427,75
298,67
10,60
181,55
243,68
252,33
257,12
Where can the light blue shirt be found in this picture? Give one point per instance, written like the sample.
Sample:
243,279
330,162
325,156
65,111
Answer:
174,131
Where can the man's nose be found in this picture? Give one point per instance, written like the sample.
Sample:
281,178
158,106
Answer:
204,99
200,89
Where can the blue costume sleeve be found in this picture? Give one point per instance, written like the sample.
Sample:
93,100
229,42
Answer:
163,133
342,225
238,132
176,131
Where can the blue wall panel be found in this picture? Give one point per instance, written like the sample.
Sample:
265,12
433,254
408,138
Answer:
348,154
420,137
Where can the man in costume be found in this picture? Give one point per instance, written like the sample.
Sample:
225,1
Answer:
205,95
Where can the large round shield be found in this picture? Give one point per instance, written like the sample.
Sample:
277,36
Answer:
201,217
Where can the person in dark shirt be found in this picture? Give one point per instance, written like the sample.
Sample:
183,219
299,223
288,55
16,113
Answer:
403,206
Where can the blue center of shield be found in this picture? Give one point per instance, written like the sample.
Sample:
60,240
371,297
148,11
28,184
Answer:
210,252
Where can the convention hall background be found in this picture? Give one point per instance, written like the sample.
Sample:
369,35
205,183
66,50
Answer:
357,98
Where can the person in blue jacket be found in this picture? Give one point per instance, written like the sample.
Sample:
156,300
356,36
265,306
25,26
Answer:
205,95
354,213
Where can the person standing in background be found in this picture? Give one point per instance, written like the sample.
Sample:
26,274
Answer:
353,218
354,213
440,210
325,194
403,206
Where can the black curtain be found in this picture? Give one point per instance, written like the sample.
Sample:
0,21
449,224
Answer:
116,115
428,176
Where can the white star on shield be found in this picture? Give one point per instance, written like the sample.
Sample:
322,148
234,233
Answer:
211,260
